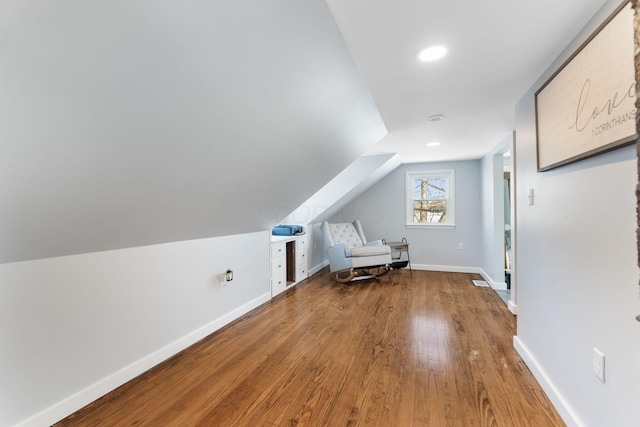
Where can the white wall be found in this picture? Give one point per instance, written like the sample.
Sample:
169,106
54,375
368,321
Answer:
382,212
577,273
73,328
126,124
317,256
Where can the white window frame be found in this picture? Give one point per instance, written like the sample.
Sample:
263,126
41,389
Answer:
449,176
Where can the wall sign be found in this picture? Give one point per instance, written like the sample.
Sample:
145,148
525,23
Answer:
588,106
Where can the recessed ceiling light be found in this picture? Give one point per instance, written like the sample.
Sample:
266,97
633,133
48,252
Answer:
436,117
433,144
432,53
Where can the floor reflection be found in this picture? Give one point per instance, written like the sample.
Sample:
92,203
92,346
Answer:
432,346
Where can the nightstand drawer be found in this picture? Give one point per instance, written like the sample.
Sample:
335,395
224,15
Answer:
301,257
278,284
301,272
278,249
278,267
302,243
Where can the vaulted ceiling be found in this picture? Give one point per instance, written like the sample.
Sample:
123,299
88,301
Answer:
133,123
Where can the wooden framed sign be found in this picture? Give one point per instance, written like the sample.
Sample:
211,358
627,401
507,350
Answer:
588,106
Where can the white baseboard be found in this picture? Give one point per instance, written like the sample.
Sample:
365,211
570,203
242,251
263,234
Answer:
425,267
513,308
446,268
82,398
499,286
319,267
565,411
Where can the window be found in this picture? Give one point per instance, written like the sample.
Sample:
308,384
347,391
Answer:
430,199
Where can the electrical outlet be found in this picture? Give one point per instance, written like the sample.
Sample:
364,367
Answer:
461,245
598,364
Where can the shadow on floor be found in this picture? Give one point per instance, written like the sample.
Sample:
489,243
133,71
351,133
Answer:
505,295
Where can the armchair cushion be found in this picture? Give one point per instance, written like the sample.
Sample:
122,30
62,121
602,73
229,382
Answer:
367,251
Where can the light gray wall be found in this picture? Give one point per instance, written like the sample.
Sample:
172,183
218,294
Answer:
73,328
577,275
344,187
133,123
382,212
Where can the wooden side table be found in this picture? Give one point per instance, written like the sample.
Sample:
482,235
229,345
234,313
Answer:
399,248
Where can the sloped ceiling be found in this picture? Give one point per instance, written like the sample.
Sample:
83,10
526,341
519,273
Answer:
344,188
133,123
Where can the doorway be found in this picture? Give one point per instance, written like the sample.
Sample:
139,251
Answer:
500,222
506,225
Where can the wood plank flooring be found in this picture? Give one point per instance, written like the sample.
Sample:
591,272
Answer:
432,350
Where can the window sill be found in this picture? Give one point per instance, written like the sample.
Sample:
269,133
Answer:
434,226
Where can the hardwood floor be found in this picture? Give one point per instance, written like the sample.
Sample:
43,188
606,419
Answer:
433,350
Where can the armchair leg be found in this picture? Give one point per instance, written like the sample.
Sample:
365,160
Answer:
382,271
344,276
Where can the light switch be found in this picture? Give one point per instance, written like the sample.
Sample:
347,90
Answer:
598,364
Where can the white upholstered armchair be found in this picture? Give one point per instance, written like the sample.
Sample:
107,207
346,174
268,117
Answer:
351,257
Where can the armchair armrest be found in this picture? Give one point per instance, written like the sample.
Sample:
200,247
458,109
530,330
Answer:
337,258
